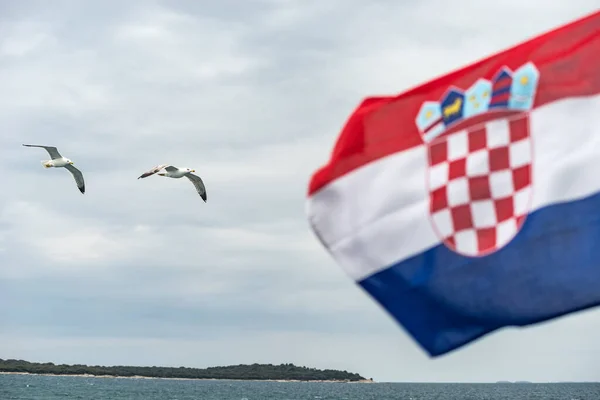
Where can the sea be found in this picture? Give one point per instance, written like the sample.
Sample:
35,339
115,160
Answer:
38,387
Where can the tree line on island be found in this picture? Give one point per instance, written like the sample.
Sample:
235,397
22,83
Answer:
233,372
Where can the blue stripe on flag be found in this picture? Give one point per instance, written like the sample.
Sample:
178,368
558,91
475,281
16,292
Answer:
551,268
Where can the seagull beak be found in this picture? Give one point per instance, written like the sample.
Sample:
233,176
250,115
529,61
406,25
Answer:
71,163
193,170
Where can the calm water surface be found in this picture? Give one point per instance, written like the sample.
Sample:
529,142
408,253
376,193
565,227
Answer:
31,387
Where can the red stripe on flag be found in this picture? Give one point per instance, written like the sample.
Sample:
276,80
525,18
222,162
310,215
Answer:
568,58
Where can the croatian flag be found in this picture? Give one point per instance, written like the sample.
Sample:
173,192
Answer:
472,202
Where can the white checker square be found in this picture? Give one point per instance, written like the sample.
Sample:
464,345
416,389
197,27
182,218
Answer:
466,242
457,192
478,163
497,133
520,153
501,184
484,214
521,201
505,231
458,145
438,175
442,220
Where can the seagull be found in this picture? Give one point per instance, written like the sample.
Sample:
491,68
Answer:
169,171
57,161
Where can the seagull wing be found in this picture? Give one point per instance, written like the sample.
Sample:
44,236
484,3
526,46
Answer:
54,154
171,168
78,177
198,184
152,171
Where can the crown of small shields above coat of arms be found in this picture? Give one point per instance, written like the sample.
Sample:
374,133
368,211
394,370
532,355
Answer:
507,91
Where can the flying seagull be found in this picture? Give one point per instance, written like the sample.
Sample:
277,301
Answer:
170,171
57,161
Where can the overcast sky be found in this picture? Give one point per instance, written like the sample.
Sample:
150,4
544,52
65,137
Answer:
252,94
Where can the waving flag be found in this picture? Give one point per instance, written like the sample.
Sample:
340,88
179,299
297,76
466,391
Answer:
472,202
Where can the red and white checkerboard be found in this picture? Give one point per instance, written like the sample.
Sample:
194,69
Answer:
480,185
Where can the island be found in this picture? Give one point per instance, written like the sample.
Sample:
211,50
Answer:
254,372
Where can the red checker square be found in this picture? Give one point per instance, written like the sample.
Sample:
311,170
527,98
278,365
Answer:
457,168
519,129
439,200
486,239
504,209
479,188
461,217
438,152
499,159
450,242
477,140
520,220
522,177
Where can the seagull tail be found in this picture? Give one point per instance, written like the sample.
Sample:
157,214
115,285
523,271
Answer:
46,163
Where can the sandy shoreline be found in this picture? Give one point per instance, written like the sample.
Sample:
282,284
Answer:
183,379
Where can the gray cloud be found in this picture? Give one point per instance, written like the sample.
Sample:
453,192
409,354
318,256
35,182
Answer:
252,95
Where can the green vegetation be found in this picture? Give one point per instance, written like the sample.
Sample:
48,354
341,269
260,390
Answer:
232,372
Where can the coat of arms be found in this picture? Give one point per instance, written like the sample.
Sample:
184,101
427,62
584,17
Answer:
480,160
